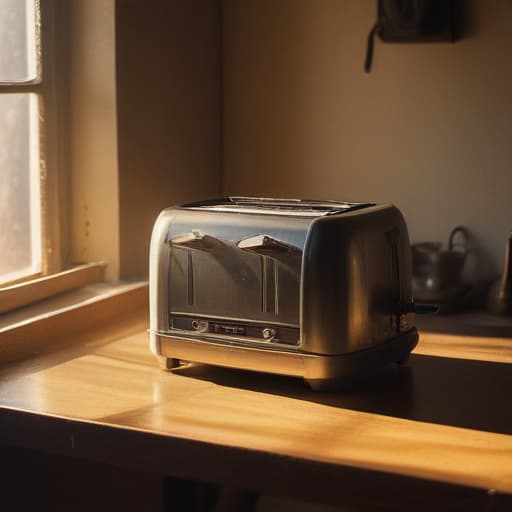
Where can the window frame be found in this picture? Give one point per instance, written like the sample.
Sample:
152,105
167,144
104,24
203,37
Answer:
52,138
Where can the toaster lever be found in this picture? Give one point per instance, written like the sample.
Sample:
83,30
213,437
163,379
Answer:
265,242
198,241
266,245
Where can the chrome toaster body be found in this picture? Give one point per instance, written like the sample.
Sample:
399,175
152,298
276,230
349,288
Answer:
317,289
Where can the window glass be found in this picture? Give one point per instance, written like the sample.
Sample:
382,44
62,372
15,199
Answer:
20,205
18,41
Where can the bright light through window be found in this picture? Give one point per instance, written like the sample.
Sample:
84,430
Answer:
20,204
20,196
18,41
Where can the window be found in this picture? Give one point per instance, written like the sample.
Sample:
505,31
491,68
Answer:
57,59
20,195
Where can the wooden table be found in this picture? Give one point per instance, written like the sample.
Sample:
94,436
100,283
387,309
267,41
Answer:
434,433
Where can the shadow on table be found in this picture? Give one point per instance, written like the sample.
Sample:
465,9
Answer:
467,324
456,392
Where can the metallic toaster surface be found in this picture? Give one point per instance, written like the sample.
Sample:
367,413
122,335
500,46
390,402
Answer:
317,289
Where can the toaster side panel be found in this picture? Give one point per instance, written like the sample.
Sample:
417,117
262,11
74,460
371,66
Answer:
356,278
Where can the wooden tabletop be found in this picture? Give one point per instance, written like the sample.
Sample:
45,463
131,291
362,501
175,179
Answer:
442,422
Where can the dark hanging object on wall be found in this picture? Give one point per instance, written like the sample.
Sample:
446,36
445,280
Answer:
411,21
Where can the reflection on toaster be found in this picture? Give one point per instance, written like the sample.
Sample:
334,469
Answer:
318,289
213,281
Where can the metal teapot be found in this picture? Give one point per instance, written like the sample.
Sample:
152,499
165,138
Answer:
437,272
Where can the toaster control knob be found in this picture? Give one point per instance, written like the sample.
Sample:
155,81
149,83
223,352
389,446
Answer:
268,333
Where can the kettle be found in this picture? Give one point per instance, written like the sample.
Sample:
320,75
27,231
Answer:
436,271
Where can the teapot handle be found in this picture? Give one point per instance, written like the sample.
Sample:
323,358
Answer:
464,234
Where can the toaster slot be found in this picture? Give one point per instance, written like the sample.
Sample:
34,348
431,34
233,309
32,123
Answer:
273,206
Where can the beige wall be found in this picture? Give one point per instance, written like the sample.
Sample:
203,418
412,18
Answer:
143,108
93,179
430,129
169,114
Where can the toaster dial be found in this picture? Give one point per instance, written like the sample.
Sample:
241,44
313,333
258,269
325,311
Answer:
235,330
269,333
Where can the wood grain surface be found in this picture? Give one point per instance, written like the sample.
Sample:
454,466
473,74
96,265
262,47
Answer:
446,417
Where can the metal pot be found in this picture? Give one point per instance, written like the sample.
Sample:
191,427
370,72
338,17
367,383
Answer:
437,272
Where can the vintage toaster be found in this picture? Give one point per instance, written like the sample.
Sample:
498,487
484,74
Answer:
316,289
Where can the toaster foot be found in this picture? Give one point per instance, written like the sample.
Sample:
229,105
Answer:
329,384
169,363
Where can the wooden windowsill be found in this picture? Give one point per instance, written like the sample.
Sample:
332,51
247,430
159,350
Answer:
56,321
21,294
